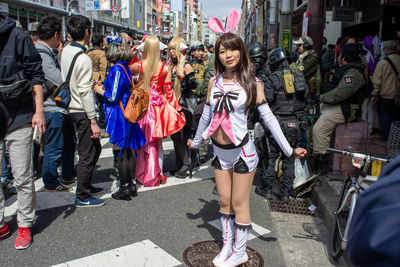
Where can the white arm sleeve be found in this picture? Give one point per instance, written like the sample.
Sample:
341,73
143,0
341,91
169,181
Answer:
274,127
203,123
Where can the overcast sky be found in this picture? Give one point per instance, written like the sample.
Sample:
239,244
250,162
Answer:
212,8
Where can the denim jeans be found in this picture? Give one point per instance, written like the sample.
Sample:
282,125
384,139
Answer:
60,146
5,168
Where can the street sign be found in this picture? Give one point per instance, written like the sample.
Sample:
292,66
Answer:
115,8
343,14
92,6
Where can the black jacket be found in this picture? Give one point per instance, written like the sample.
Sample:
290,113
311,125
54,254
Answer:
17,52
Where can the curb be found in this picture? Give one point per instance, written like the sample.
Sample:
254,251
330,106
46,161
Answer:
324,197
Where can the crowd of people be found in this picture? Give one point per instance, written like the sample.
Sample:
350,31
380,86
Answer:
196,95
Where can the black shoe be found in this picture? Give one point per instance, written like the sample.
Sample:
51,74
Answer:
123,193
183,172
175,170
264,192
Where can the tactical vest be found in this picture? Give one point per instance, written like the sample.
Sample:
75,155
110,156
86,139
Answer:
198,67
288,104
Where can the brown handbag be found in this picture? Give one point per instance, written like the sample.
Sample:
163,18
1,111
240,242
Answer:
138,102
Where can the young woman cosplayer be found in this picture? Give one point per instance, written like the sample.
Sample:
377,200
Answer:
126,137
231,93
183,82
162,118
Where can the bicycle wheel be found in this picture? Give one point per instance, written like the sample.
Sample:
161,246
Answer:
340,221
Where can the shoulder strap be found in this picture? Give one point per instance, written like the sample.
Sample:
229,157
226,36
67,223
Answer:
391,64
127,75
71,67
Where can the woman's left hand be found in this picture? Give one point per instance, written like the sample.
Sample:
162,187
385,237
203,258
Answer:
300,152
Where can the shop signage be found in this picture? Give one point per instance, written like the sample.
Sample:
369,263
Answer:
125,8
286,38
304,29
343,14
3,8
105,4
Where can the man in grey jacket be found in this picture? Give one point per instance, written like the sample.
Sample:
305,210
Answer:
60,134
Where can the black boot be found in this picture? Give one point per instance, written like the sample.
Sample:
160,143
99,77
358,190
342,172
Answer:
284,194
123,193
133,188
265,192
323,164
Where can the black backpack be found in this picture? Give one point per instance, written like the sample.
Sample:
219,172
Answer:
15,90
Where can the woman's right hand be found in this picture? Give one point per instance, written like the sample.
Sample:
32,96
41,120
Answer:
189,143
300,152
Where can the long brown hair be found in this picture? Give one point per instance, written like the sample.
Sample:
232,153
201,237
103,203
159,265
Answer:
244,70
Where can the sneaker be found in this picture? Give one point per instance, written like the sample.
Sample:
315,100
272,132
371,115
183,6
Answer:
96,190
89,202
59,188
68,182
4,232
12,190
24,238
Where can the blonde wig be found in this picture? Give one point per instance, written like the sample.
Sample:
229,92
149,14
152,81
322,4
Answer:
118,50
151,58
175,43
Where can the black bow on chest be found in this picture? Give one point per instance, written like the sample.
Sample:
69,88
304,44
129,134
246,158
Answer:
225,101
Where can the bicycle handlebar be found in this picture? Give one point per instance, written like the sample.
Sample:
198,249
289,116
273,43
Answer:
352,154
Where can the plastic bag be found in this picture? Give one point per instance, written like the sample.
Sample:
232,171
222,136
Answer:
301,173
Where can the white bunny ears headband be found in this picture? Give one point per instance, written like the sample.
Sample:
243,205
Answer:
233,20
141,47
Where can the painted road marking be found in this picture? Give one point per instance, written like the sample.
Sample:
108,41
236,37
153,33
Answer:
47,200
144,253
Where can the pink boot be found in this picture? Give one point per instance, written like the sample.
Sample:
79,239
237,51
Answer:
227,221
238,255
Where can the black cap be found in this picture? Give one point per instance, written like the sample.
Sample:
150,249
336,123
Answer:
351,51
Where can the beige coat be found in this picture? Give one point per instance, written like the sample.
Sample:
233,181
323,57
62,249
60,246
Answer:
99,61
386,83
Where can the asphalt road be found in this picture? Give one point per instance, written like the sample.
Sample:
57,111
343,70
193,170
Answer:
154,228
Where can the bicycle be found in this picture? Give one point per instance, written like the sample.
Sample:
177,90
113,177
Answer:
352,186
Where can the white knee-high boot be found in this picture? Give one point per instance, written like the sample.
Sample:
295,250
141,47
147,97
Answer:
238,255
227,225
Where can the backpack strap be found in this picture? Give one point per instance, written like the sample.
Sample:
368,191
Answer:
120,102
71,67
393,67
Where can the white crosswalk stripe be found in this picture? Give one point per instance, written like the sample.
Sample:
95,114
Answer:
144,253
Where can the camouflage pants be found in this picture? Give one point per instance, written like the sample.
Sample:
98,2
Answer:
203,149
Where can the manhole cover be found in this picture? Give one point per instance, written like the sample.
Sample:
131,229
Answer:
201,255
295,206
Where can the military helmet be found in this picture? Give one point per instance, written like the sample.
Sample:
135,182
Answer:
197,46
258,51
277,55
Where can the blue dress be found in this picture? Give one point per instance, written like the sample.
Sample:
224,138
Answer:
123,133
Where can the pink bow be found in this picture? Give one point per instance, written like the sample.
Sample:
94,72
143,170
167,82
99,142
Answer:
233,19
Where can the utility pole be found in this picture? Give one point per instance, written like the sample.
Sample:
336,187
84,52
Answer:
316,22
286,24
